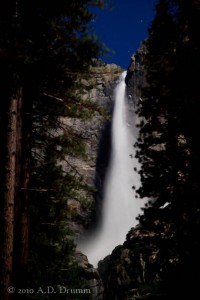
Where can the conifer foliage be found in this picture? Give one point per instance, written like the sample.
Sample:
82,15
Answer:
168,146
46,48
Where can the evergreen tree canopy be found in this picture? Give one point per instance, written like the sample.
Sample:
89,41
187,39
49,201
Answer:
46,49
168,146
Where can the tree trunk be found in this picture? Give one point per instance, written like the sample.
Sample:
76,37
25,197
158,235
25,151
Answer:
22,199
8,199
21,205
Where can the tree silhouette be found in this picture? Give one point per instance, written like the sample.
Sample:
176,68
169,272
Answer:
168,145
45,51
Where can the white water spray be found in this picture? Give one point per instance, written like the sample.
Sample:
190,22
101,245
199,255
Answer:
120,207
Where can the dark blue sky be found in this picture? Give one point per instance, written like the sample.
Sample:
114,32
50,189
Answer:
123,27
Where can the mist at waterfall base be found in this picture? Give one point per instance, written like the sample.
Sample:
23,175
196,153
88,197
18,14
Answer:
120,206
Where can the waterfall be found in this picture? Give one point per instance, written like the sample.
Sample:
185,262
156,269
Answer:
120,207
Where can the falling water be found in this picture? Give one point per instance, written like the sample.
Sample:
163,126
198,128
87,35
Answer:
120,207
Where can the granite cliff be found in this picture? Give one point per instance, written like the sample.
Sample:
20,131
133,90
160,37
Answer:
136,269
85,210
145,266
135,79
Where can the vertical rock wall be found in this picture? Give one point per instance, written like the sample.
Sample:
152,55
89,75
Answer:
135,78
84,211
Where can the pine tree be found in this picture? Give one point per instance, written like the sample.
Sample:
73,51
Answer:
168,143
45,50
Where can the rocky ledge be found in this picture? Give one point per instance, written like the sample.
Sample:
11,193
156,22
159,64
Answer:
90,276
136,269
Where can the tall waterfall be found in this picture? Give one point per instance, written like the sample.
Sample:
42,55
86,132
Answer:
120,207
